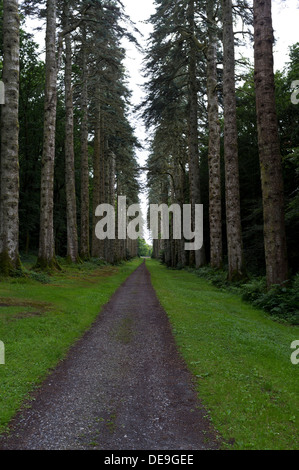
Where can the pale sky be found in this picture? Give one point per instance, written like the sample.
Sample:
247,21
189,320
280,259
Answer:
286,29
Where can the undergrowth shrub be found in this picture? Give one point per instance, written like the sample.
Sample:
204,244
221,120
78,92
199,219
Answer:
40,277
281,302
218,277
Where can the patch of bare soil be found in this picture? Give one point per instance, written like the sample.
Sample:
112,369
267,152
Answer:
32,308
123,386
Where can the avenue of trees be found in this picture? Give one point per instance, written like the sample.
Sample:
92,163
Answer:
66,141
144,249
222,133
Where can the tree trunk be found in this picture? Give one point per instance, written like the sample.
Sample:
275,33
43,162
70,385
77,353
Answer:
70,185
214,144
179,178
199,255
232,190
46,255
110,253
9,168
269,148
84,245
166,242
97,245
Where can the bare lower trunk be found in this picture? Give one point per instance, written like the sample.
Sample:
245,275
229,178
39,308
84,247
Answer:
111,256
179,198
9,168
269,148
46,255
71,209
214,144
232,191
166,242
199,255
97,245
84,245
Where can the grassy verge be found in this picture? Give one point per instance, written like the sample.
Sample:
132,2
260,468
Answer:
41,318
240,359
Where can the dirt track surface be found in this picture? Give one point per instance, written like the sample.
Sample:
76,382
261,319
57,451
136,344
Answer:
123,386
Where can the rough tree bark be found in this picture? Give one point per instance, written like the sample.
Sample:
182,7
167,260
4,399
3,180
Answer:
199,255
232,190
97,245
70,185
269,148
179,178
84,242
165,200
215,216
112,255
9,168
46,255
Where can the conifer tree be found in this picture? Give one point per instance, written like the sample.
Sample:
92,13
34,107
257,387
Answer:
215,210
269,146
70,184
9,154
46,254
236,266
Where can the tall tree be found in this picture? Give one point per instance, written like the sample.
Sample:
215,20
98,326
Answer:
46,254
269,146
84,241
97,195
9,168
232,188
214,141
70,185
193,124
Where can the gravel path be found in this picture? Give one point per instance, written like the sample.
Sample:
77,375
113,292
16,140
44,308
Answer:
123,386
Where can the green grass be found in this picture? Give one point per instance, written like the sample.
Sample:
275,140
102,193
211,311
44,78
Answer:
39,322
240,359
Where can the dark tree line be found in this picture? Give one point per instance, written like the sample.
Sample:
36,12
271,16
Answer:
66,141
219,135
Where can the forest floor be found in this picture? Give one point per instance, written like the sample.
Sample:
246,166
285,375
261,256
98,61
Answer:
123,385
